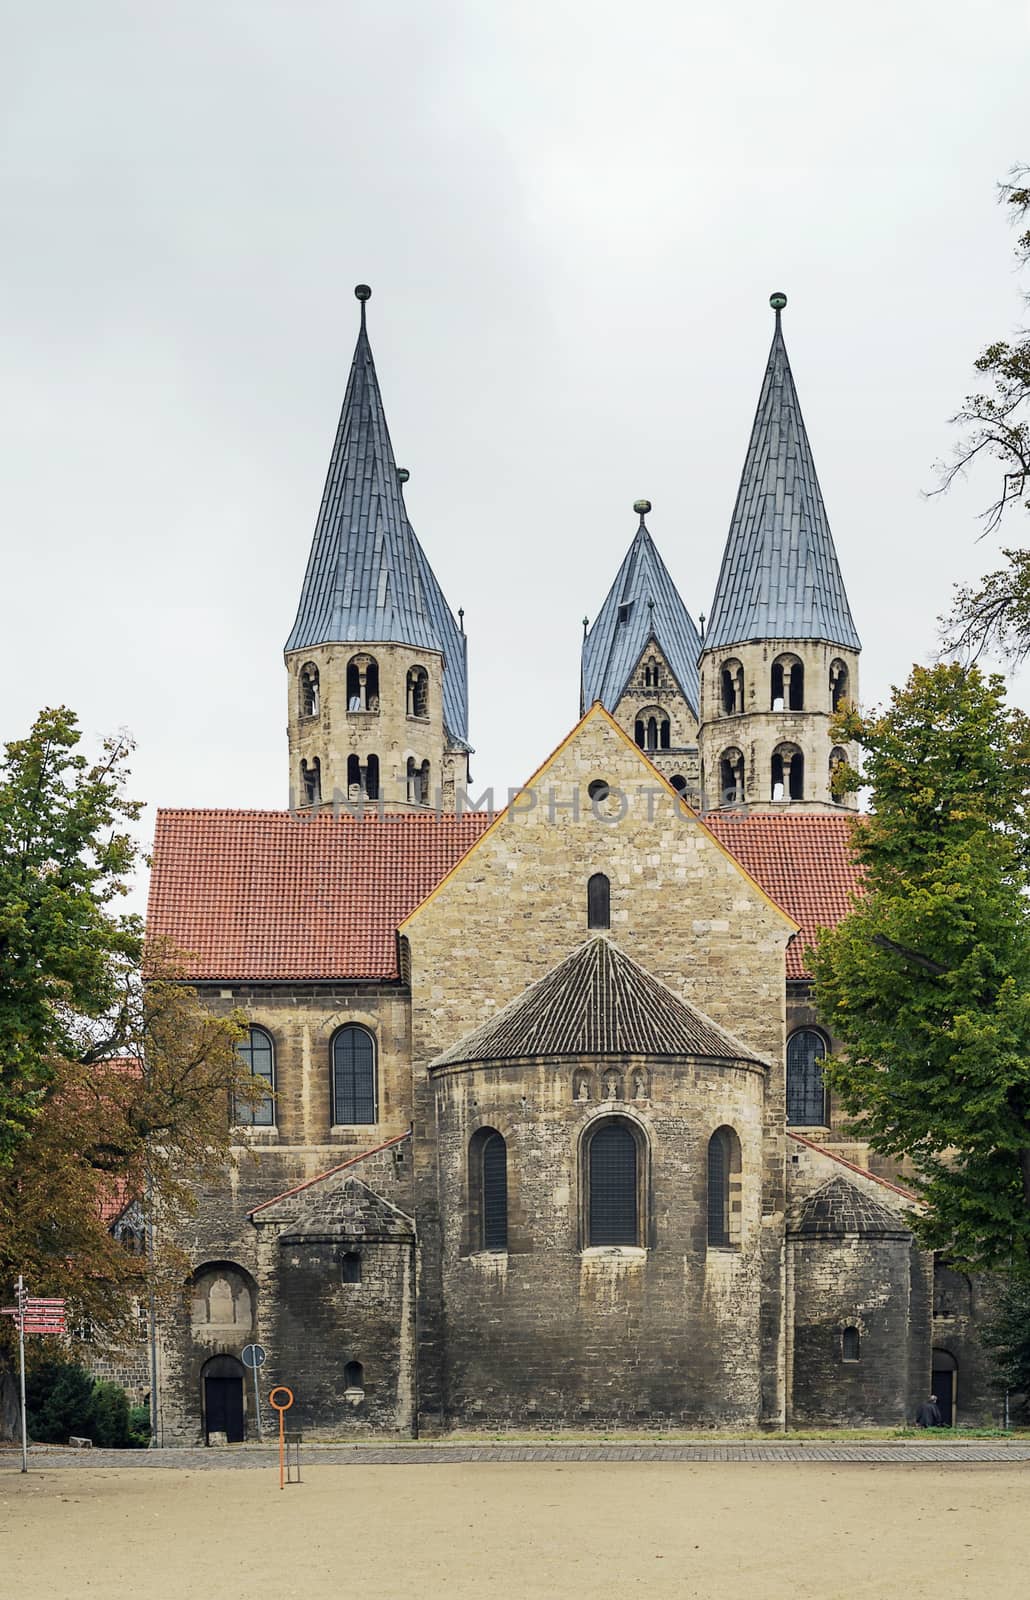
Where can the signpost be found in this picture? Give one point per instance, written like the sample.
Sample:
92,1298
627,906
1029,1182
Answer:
254,1357
32,1315
282,1406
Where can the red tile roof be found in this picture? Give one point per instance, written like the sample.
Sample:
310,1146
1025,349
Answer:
265,896
803,861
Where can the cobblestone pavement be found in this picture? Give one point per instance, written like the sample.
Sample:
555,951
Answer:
42,1459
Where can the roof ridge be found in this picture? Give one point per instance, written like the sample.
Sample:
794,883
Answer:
330,1172
852,1166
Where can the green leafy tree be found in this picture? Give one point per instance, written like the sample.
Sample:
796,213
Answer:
115,1082
927,980
59,1401
996,428
1007,1335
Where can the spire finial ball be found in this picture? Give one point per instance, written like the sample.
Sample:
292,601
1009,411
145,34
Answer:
641,507
362,292
778,300
403,474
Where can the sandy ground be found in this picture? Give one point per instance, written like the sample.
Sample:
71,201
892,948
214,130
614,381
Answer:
747,1531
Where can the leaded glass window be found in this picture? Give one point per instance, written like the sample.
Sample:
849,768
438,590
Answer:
806,1093
495,1193
718,1190
354,1076
255,1050
613,1195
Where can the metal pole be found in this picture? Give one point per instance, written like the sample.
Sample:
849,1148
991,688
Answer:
257,1404
21,1363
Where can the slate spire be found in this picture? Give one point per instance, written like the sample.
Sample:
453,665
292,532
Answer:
780,578
367,576
642,604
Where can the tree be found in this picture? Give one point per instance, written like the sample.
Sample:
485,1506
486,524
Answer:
1007,1335
122,1080
927,980
997,426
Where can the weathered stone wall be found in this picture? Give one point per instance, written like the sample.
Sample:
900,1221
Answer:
302,1019
873,1285
384,727
961,1303
516,905
553,1331
653,687
756,730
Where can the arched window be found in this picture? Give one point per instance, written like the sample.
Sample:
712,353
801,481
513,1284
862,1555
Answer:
613,1185
363,778
418,692
362,683
839,684
806,1092
731,778
599,901
488,1190
258,1056
724,1201
311,782
679,783
850,1344
372,777
350,1267
838,761
731,684
652,729
309,690
418,782
652,674
354,1376
788,773
354,1076
788,684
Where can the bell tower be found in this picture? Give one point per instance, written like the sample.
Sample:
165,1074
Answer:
376,664
781,651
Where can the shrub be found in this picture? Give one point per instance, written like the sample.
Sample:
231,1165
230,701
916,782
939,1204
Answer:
59,1401
110,1416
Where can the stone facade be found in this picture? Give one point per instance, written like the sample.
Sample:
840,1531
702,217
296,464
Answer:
659,718
365,723
774,699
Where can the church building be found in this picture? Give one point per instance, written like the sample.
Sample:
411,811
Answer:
546,1140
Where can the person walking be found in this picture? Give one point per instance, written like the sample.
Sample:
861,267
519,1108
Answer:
929,1415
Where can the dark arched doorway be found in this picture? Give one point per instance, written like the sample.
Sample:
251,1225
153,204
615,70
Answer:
222,1381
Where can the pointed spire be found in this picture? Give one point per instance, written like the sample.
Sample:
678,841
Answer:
367,577
643,603
780,578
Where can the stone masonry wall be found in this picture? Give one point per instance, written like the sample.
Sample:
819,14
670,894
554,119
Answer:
516,905
756,730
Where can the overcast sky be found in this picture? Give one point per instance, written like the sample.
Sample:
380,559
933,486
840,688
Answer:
572,214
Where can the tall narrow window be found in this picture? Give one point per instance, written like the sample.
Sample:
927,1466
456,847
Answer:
613,1200
354,1376
418,692
362,684
732,688
724,1189
372,778
850,1344
311,781
788,773
806,1092
599,901
354,1076
309,690
788,684
731,778
838,684
255,1050
350,1267
718,1191
495,1194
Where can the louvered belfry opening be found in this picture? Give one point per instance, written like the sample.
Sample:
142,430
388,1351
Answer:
495,1194
613,1186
